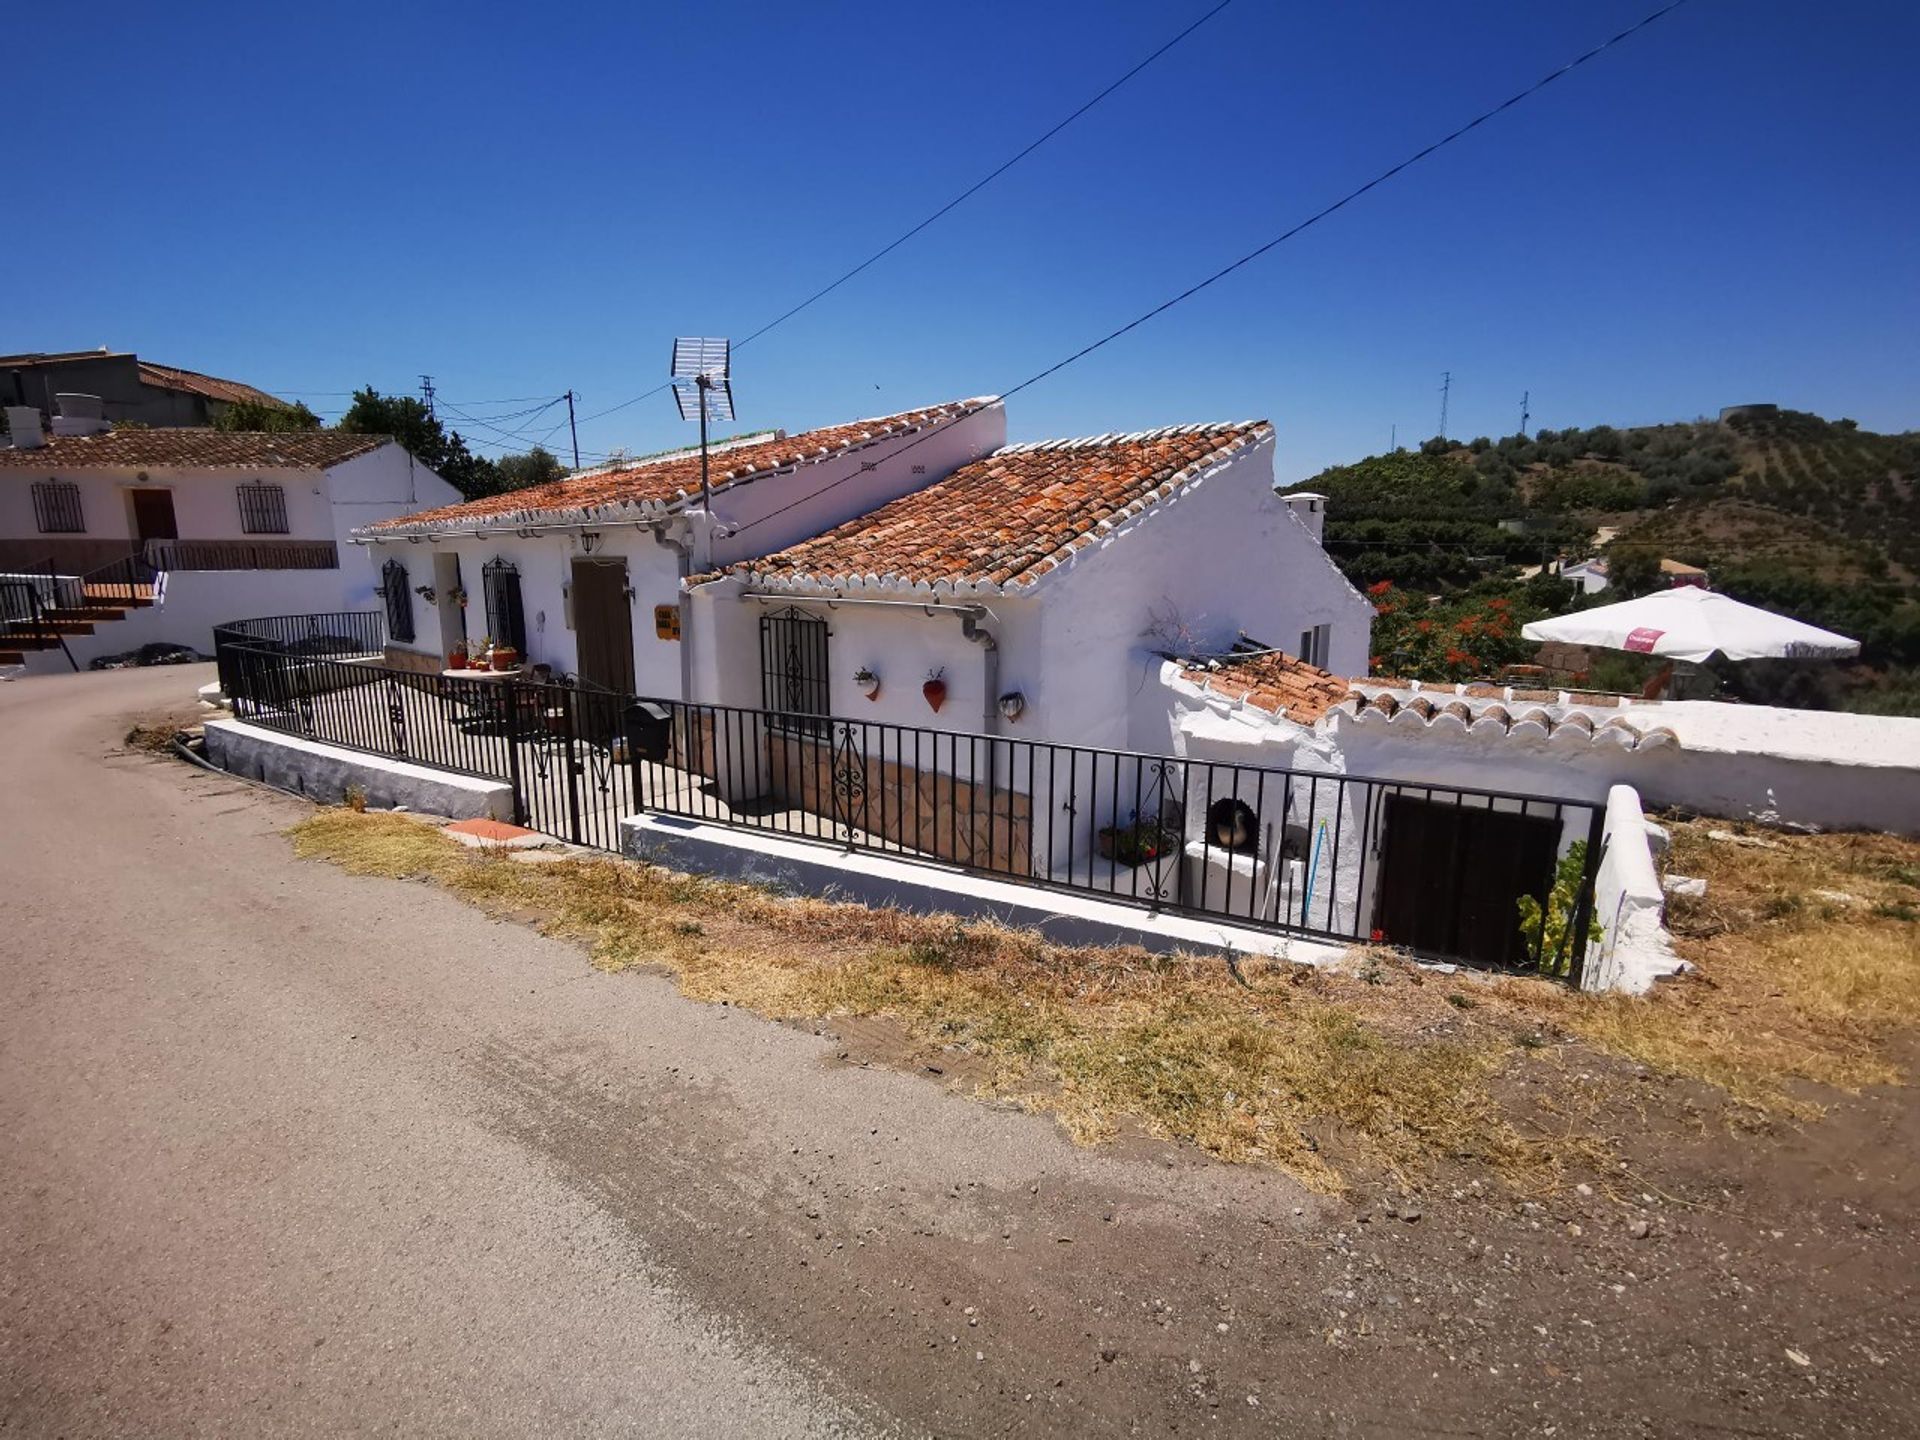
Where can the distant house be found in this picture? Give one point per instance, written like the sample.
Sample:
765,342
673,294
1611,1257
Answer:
1590,576
126,388
237,524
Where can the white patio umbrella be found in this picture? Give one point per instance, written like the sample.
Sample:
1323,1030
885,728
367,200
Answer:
1688,623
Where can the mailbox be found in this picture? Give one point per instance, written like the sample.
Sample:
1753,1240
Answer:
649,728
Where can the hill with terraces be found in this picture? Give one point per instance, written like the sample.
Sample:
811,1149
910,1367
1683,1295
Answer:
1814,517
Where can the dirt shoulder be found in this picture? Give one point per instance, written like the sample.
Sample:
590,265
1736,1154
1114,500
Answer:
1619,1226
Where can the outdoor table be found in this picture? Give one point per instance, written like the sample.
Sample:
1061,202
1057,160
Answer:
493,712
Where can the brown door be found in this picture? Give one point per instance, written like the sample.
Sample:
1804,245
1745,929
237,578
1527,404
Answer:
153,515
1451,877
603,625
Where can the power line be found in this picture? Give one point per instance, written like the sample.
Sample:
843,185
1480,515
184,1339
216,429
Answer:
964,195
1347,199
985,180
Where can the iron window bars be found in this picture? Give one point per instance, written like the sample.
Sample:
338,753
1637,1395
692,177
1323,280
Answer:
57,509
263,508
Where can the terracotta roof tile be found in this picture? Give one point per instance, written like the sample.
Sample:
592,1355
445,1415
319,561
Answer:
170,377
202,449
1006,519
1272,681
667,480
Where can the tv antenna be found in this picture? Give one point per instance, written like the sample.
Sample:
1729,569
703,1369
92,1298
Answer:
703,389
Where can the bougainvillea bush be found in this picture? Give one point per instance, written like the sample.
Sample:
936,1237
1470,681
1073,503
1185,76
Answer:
1457,637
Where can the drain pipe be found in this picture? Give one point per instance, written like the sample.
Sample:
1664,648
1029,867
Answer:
989,668
683,551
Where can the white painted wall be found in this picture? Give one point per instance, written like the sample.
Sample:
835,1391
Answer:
545,563
197,600
205,505
1224,556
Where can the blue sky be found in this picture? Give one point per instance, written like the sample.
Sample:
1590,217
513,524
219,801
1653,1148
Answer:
524,199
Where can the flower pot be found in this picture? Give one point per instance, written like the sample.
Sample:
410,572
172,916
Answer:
936,692
504,657
868,683
1131,844
456,660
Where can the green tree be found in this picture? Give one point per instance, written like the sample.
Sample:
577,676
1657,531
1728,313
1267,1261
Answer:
410,422
261,415
537,467
1631,570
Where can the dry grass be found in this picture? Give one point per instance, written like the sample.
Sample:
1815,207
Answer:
1793,985
1375,1065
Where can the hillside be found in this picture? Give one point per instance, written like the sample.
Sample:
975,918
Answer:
1814,517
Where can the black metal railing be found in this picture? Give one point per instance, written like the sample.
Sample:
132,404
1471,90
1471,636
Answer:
340,633
1438,870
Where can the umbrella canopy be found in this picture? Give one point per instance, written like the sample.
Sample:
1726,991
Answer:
1689,623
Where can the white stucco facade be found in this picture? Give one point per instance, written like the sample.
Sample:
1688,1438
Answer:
323,506
657,548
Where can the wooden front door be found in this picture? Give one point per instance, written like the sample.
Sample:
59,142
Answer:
153,515
603,625
1451,877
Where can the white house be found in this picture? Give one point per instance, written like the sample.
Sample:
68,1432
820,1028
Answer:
1052,571
158,535
584,575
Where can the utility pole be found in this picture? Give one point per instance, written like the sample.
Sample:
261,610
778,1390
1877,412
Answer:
1446,386
573,430
426,394
1525,414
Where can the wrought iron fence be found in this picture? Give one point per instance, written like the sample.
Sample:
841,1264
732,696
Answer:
1439,870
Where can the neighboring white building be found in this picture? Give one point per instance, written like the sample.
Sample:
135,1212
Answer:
240,524
584,575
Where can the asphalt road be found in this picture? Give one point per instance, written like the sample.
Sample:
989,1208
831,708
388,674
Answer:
240,1191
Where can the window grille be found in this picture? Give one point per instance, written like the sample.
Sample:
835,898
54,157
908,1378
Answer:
263,509
506,621
393,587
56,508
793,671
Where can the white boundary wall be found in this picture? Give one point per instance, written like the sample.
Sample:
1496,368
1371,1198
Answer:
1634,949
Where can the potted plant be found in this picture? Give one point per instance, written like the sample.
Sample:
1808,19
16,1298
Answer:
457,595
425,592
1136,842
935,689
503,657
457,656
868,682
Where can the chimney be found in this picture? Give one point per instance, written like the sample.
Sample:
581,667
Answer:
1311,510
23,423
79,415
